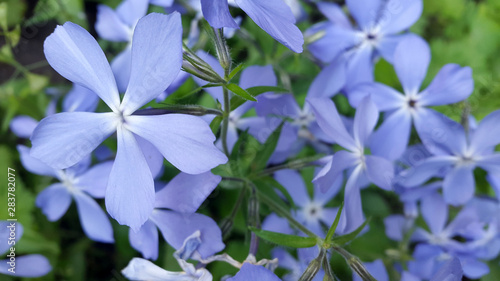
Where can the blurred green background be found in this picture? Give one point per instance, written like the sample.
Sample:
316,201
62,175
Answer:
458,31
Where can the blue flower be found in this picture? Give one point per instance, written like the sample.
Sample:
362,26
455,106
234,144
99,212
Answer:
275,17
78,182
378,25
374,168
411,59
311,212
63,139
459,154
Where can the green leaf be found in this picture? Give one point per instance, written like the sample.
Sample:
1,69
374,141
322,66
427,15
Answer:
236,159
284,239
215,124
240,92
235,71
267,150
343,239
255,91
332,229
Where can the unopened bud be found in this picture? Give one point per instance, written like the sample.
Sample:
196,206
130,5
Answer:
313,267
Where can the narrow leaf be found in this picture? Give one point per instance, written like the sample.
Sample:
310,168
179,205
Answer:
215,124
240,92
285,239
235,71
267,150
343,239
257,90
332,229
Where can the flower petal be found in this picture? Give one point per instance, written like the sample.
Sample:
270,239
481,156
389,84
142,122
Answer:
277,224
27,266
80,99
22,126
34,165
335,41
386,45
440,134
391,138
336,164
95,180
95,223
424,170
185,193
334,13
156,59
398,16
452,84
360,66
353,209
152,155
365,12
487,134
130,193
176,227
75,54
459,185
380,171
435,212
185,141
364,121
141,269
254,272
130,11
216,12
277,19
145,240
330,80
121,66
329,120
54,201
63,139
395,227
474,269
294,184
411,60
386,98
450,271
490,163
110,26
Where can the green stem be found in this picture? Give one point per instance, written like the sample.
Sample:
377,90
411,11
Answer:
225,121
227,224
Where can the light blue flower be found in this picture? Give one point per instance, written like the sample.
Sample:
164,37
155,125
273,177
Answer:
63,139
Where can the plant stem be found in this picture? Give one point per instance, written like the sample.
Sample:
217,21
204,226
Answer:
225,121
227,224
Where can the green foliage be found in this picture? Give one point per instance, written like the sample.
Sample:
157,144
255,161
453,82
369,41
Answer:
286,240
